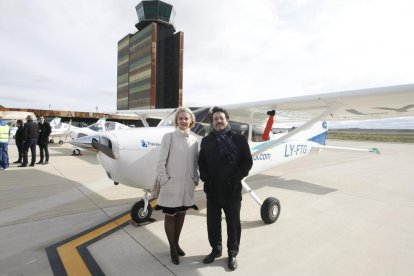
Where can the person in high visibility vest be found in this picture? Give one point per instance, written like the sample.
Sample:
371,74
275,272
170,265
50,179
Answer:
4,144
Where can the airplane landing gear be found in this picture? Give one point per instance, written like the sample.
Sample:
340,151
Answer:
60,142
51,141
142,210
76,152
269,209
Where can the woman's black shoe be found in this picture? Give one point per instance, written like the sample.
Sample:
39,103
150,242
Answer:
175,260
180,252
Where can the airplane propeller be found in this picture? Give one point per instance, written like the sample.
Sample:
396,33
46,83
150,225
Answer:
104,146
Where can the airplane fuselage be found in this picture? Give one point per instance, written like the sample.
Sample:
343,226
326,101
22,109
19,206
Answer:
136,151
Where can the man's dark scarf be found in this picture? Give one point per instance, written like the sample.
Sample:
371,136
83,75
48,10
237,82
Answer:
226,147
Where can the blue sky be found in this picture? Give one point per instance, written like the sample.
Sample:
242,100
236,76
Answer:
63,53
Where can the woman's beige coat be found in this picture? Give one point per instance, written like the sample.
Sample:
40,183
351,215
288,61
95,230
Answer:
177,169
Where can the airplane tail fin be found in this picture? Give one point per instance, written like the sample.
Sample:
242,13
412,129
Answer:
318,132
55,122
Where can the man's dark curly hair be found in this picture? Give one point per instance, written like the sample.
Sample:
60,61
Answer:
218,109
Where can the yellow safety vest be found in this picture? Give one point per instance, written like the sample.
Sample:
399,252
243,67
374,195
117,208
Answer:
4,134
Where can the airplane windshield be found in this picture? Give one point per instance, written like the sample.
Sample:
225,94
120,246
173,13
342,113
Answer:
257,133
109,126
96,127
202,125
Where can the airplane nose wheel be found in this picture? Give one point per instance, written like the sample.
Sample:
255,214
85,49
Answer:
76,152
270,210
138,212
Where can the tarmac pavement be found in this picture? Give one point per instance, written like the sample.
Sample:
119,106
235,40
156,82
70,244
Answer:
342,213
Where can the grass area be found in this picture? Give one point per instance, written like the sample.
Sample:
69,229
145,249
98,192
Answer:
379,137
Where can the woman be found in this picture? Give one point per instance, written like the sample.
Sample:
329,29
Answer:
177,175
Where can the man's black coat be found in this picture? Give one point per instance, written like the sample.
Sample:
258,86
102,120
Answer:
19,136
222,180
31,131
44,132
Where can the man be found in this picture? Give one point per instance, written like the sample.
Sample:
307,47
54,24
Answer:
43,140
31,132
4,144
18,138
224,160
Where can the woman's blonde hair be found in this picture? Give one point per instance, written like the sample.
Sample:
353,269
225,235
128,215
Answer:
186,110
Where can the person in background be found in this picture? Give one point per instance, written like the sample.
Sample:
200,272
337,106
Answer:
224,160
177,176
19,137
31,133
4,144
43,140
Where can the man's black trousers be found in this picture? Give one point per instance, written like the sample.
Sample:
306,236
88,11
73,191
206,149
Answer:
44,151
30,144
232,213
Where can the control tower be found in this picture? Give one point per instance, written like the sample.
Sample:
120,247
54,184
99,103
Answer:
150,61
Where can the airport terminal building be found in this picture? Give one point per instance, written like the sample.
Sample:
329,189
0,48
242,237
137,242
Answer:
150,61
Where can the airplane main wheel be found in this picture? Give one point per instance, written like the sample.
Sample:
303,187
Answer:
52,141
76,152
60,142
139,214
270,210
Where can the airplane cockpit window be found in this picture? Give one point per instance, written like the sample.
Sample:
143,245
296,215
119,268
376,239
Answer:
96,127
121,126
109,126
168,121
240,128
202,126
257,133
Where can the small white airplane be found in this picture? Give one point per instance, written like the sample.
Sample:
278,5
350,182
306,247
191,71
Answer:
129,155
84,135
60,129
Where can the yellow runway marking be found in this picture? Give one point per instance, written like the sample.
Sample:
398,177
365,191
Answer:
72,261
69,255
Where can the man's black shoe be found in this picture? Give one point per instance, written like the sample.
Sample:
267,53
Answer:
40,162
22,165
232,263
32,165
211,257
17,162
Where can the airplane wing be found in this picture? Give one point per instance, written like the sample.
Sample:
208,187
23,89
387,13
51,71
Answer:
144,114
149,113
372,103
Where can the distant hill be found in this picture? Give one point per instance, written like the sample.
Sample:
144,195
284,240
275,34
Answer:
373,131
